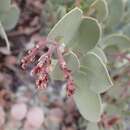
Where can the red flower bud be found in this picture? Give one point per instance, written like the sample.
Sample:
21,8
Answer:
42,81
70,88
36,70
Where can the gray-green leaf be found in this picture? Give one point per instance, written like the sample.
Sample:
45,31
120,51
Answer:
10,17
92,126
66,28
76,31
87,101
4,5
3,35
100,53
101,8
116,10
88,35
97,72
121,42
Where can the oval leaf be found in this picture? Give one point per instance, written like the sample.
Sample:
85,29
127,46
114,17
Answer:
66,28
88,35
101,9
97,72
76,31
92,126
121,42
87,101
10,18
116,10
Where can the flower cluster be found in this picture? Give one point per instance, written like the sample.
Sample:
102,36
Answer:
43,67
30,57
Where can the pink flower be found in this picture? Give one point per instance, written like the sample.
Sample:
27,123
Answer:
70,87
42,81
43,67
29,58
18,111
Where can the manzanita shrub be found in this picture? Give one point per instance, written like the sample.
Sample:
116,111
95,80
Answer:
80,49
72,54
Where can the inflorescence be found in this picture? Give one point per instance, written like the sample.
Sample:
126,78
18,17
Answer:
43,67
